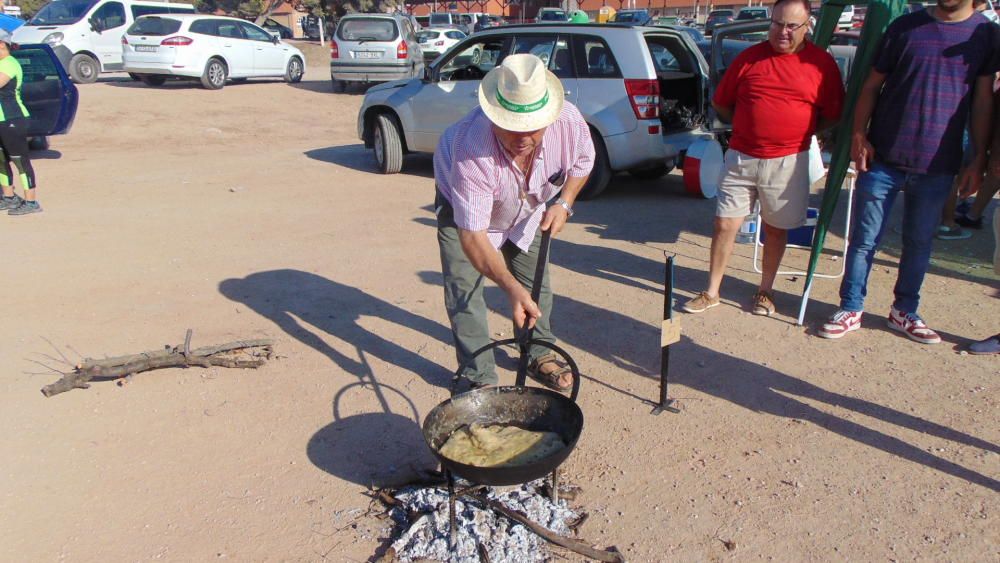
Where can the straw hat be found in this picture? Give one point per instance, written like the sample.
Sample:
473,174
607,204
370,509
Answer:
521,95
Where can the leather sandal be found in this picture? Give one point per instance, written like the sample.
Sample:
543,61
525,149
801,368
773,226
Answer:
552,378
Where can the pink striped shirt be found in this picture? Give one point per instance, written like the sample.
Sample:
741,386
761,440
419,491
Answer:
477,176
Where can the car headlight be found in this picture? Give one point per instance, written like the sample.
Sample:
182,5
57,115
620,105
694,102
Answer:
53,39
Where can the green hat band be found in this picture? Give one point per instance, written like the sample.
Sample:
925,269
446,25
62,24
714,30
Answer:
522,108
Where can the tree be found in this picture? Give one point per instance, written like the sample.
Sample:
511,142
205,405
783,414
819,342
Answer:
30,7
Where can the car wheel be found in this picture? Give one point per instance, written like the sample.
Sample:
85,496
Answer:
293,73
651,173
338,85
601,175
477,57
388,146
214,77
152,79
38,143
83,69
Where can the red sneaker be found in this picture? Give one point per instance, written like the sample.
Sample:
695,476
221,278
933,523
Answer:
912,326
840,324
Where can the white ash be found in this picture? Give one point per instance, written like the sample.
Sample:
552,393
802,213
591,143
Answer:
427,536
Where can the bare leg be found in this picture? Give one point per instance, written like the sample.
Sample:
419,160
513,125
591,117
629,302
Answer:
774,250
948,213
723,241
8,191
990,187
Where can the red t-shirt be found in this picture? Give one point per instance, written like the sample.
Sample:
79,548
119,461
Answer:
779,98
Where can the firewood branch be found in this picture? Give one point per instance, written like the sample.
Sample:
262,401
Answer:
245,354
611,555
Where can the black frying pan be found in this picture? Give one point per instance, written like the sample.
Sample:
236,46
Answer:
532,408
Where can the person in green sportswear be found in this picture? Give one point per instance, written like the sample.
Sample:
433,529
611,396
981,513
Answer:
14,136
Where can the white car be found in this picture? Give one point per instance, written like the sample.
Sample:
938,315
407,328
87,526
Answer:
846,20
433,42
210,48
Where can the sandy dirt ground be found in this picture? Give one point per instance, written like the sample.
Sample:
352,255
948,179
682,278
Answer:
255,212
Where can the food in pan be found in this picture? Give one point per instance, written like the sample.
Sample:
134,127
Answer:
499,445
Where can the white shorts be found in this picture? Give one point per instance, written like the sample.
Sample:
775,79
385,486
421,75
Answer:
780,184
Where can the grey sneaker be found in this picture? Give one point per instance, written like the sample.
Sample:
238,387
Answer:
12,202
25,208
952,233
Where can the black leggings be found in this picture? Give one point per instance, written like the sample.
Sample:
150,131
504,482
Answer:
14,148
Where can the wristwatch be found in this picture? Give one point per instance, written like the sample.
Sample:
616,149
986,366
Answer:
562,202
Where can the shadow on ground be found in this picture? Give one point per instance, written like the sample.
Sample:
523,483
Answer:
362,447
357,157
744,383
764,390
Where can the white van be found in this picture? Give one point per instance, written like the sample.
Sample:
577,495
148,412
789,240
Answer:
86,35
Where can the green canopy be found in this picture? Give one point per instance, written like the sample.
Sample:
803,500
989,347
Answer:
877,18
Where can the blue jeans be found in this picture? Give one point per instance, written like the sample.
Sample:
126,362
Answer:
923,199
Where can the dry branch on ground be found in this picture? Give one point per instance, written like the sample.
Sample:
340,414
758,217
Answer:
238,354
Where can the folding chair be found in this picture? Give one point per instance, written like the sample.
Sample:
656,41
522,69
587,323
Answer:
810,228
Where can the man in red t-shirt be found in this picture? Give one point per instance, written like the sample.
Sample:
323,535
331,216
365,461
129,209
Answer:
776,94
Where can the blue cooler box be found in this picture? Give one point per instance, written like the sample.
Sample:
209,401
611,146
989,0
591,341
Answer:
802,236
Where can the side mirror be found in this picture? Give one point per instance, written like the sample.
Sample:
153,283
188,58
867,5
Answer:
275,39
95,25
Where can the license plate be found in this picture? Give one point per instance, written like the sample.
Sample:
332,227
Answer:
368,54
145,48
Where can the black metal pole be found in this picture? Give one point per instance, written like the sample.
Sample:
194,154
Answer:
668,314
452,520
524,338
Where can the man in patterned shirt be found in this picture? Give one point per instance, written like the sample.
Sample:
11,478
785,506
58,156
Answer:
495,170
933,72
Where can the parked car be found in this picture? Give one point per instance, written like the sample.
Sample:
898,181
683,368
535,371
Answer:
991,13
433,42
843,47
718,17
310,26
462,22
213,49
374,48
551,15
695,35
642,90
846,20
754,13
846,38
858,20
283,31
86,34
633,17
48,93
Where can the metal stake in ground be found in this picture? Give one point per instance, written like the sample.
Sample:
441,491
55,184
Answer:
524,338
670,333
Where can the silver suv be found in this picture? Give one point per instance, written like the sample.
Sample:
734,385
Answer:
374,48
643,90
